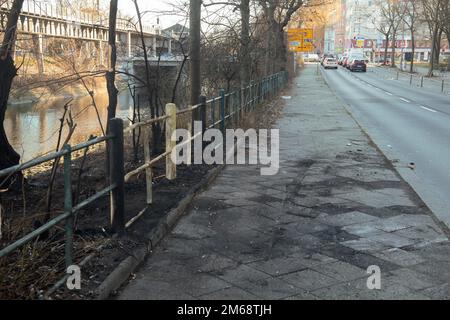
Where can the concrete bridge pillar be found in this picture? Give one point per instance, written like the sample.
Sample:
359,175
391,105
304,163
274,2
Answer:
39,52
130,53
169,47
154,46
101,55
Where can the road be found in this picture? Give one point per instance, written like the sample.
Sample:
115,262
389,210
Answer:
409,124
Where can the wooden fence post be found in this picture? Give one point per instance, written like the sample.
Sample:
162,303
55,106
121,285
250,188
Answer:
116,175
148,171
171,126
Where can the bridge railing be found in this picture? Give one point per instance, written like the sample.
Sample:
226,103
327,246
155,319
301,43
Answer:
223,111
55,11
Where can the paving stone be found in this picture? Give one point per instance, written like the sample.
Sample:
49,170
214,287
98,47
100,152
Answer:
366,229
232,293
270,289
345,219
153,290
199,284
341,271
243,273
440,292
309,280
424,234
365,245
401,257
279,266
392,240
377,199
410,279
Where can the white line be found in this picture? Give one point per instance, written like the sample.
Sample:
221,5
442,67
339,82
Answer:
388,93
428,109
403,99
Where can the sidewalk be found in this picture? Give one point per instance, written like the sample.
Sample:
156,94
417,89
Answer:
335,208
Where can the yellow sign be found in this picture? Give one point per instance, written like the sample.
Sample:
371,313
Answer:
305,33
300,40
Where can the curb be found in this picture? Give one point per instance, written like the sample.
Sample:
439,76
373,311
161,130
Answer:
123,271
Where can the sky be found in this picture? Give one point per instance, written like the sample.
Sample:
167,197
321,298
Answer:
155,7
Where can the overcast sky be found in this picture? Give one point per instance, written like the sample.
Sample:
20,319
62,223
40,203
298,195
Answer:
156,9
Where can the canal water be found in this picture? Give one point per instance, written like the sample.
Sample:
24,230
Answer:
33,128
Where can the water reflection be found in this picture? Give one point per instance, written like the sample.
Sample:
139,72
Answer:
33,129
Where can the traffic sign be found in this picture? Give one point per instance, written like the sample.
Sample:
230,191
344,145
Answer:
300,40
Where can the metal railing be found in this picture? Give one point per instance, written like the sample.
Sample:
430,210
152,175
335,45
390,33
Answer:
69,209
441,85
224,111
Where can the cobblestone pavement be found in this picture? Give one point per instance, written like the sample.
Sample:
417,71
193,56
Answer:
311,232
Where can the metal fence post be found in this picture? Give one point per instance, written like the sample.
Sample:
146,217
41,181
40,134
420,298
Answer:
68,205
171,126
213,109
117,173
222,111
421,82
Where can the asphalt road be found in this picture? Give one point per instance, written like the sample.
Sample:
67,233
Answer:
409,124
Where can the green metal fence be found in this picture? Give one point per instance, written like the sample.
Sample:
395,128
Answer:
224,111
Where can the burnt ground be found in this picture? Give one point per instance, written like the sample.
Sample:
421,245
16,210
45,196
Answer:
29,272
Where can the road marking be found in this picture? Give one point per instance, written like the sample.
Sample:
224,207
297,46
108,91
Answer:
428,109
388,93
403,99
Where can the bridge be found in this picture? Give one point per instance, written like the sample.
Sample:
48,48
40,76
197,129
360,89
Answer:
41,19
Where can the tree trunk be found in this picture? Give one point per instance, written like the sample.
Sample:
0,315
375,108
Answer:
281,50
433,49
413,51
386,49
393,49
245,44
111,74
194,49
8,156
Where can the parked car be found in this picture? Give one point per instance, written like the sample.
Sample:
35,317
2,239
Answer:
330,63
311,57
352,57
325,56
341,59
357,64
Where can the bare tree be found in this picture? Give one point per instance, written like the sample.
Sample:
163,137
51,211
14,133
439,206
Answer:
277,14
391,13
410,18
8,71
432,18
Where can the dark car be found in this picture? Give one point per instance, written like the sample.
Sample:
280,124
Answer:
357,64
